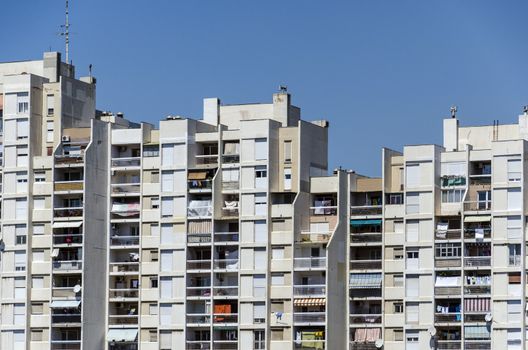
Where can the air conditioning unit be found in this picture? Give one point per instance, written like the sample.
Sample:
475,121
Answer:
65,138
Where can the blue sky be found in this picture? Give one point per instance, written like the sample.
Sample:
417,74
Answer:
384,73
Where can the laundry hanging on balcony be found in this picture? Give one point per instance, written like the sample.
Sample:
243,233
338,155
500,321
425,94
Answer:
199,208
67,224
477,218
365,280
125,209
363,335
441,229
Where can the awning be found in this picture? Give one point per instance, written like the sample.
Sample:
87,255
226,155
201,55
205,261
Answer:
482,218
310,302
202,175
365,222
67,224
122,335
365,280
451,281
65,304
476,332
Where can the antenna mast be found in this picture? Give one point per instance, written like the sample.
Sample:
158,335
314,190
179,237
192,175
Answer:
66,32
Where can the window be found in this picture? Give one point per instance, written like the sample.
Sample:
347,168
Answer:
166,261
49,131
259,313
261,149
484,200
165,340
153,282
22,129
151,151
514,339
514,311
412,259
514,227
36,334
261,204
514,254
260,260
452,196
153,335
413,203
412,340
398,253
397,281
154,230
154,177
154,255
412,312
50,104
398,308
20,261
165,287
412,286
19,312
259,286
287,179
153,309
154,203
261,231
166,207
39,202
37,308
261,177
277,279
22,156
23,102
277,253
413,230
38,255
514,199
20,235
514,170
37,282
167,154
260,340
287,151
167,181
412,175
398,334
448,250
230,175
40,176
395,198
165,311
20,288
38,229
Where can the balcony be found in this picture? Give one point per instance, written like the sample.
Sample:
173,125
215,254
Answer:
198,264
200,185
207,160
448,234
366,237
124,241
131,189
126,162
447,290
444,262
68,186
65,344
477,289
199,319
68,213
226,264
230,212
226,237
363,346
225,291
323,210
230,185
365,264
225,318
67,239
61,319
477,261
199,209
199,291
309,318
124,319
477,345
366,210
198,344
314,237
64,293
309,263
477,206
198,238
124,294
69,159
365,318
314,290
125,210
124,267
449,317
67,265
448,345
476,233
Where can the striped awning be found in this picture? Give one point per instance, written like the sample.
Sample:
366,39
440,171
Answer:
365,280
476,332
309,302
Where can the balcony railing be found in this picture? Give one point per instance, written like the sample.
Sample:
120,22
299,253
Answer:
514,260
122,319
65,318
309,344
123,267
63,186
197,238
59,239
323,210
365,237
475,316
363,346
365,264
225,318
200,184
225,291
448,317
198,344
68,212
470,233
230,185
64,292
226,237
365,318
124,293
315,290
477,261
477,289
126,188
67,265
230,212
449,234
199,291
447,290
231,158
447,261
198,264
67,159
477,205
477,345
309,263
65,345
309,317
225,344
226,264
199,318
124,240
366,210
200,212
448,345
315,237
126,162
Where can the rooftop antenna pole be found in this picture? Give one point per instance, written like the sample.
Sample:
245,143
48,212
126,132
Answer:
66,32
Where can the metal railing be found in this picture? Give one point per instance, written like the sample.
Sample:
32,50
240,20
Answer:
199,264
316,237
365,264
309,290
76,238
197,238
124,293
68,212
64,292
447,290
477,205
225,318
225,290
365,210
122,319
309,344
66,318
226,237
199,318
124,240
365,318
448,317
365,237
76,185
323,210
125,188
199,291
198,344
477,289
126,162
477,261
226,264
309,262
125,266
448,345
309,317
448,261
67,265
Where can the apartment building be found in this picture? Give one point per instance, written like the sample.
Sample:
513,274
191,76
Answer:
227,232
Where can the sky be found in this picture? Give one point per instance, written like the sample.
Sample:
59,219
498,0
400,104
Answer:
383,73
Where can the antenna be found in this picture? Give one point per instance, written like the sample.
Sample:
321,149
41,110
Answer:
66,32
453,110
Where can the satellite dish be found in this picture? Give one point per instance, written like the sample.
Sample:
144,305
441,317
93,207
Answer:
432,331
76,288
488,317
379,343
